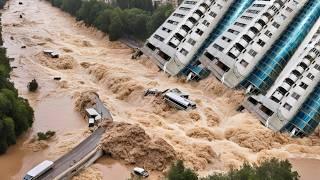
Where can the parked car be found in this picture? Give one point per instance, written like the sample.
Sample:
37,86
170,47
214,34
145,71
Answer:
140,172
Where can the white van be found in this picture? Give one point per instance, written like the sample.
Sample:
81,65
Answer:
38,170
140,172
179,102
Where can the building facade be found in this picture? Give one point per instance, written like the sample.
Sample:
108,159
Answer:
270,48
287,104
176,42
235,54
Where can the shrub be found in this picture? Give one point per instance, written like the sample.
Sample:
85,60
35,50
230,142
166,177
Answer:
33,85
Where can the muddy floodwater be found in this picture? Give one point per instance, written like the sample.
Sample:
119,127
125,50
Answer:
212,138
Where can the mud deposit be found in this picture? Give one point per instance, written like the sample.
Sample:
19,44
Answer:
131,144
213,137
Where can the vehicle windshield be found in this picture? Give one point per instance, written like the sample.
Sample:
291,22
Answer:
27,177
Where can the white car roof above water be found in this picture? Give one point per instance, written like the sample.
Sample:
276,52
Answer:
39,168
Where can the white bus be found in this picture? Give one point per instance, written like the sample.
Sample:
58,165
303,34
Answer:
37,171
179,102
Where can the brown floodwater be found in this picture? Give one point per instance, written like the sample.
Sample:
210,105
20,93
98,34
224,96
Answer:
112,169
119,81
52,113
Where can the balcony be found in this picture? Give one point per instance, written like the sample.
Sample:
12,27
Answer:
195,16
265,19
286,86
306,61
235,52
200,13
202,9
277,5
243,42
300,69
258,26
251,34
271,12
208,3
313,55
277,96
175,41
189,24
182,33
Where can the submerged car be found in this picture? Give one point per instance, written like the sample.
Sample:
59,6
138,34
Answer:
140,172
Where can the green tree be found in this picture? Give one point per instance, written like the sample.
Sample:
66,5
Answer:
33,85
90,10
267,170
71,6
116,26
179,172
103,20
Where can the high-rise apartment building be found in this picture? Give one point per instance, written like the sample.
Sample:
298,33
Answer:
271,48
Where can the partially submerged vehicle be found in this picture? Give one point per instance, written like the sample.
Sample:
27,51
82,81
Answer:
174,97
93,117
140,172
51,53
38,170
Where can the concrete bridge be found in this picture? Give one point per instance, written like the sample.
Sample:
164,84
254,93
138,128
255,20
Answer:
83,155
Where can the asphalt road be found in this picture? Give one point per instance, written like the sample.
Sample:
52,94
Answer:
75,155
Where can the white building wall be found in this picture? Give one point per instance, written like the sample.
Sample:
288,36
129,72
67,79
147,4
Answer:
284,106
239,61
165,40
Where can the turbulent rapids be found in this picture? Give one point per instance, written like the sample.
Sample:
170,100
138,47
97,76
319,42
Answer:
212,137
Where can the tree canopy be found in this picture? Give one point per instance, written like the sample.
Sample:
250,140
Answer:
122,18
268,170
16,115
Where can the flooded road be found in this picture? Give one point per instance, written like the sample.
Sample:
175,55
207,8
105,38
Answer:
213,137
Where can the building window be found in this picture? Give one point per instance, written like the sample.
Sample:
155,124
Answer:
166,29
252,52
246,17
226,39
178,15
218,47
261,43
303,85
190,2
158,37
276,25
310,76
283,17
212,14
184,8
184,52
240,24
172,22
233,31
288,9
295,95
287,106
199,31
268,33
206,23
244,63
253,11
317,67
191,41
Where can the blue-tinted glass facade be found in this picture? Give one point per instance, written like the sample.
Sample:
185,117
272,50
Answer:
280,53
235,10
308,116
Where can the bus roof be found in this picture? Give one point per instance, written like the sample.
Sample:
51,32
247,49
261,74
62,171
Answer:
176,97
39,168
